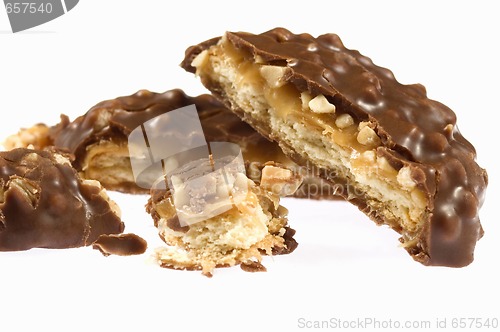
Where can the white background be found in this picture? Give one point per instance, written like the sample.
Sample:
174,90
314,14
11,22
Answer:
345,267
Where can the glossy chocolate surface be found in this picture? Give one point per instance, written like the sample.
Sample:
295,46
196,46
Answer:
120,244
414,129
44,204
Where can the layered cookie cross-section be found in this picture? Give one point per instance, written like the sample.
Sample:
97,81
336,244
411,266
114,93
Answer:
98,139
387,147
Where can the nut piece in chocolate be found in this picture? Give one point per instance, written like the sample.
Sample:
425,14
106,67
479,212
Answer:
384,146
45,204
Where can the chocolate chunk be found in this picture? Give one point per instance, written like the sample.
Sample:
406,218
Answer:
332,109
253,267
120,244
290,243
45,204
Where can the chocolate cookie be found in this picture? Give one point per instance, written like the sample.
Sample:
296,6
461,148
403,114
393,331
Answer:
389,149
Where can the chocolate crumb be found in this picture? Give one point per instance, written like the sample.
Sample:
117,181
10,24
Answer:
120,244
253,267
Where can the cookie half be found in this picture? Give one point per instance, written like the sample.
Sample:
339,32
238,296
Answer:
251,222
389,149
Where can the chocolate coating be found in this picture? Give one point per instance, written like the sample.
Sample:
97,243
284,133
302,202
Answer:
415,130
44,204
120,244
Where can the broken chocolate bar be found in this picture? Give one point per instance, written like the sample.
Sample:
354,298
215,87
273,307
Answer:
389,149
45,204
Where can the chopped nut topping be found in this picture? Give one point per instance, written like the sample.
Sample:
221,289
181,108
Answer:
258,59
60,159
29,189
368,137
273,75
200,59
404,178
369,156
344,121
305,97
320,104
363,124
280,181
